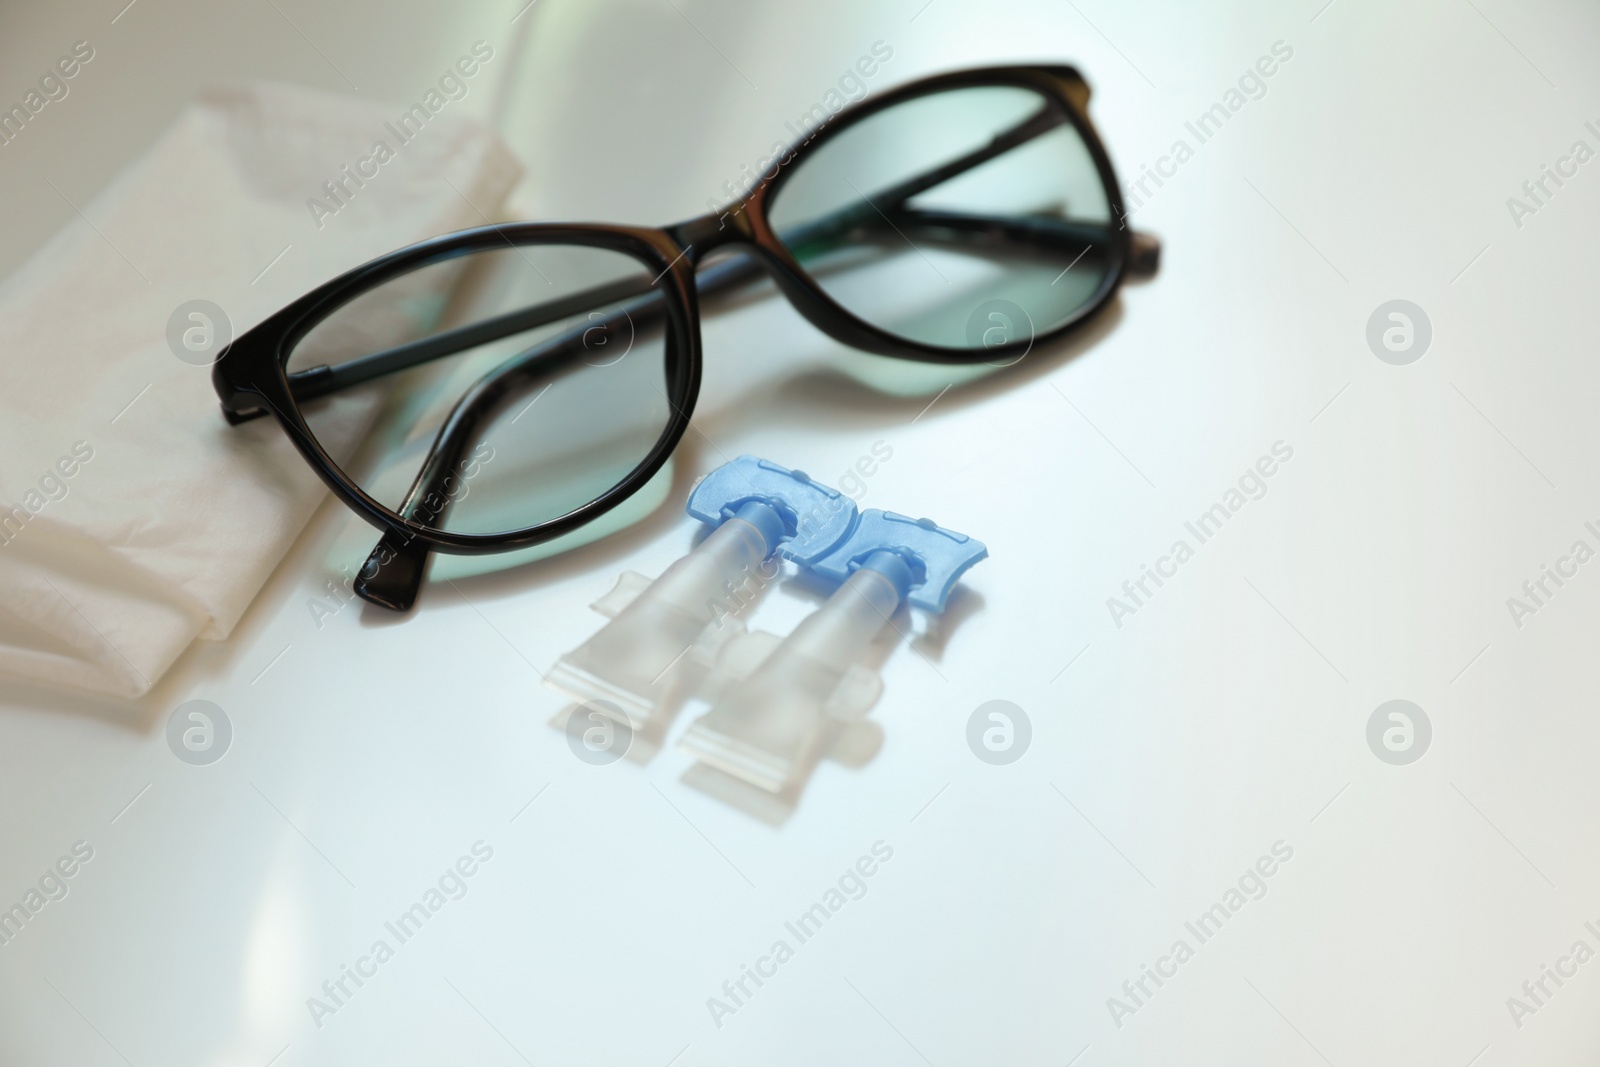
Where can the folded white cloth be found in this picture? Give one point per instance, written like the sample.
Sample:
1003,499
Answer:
133,519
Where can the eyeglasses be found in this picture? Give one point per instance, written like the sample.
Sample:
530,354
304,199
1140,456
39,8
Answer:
523,379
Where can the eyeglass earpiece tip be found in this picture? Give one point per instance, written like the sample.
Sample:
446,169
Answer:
392,575
1144,255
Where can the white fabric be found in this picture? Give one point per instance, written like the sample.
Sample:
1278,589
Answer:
170,520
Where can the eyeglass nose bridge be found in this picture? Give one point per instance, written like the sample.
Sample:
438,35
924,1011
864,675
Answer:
704,234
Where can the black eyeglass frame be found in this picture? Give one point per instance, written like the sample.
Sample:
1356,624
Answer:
251,375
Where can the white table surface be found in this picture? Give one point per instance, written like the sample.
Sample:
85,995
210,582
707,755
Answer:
1168,754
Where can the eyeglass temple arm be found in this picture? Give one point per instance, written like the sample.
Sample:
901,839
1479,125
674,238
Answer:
319,381
1040,231
393,572
888,206
866,210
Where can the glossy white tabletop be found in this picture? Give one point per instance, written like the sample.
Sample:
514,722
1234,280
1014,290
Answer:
1199,771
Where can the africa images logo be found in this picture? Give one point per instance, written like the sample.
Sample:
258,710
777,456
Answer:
454,84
